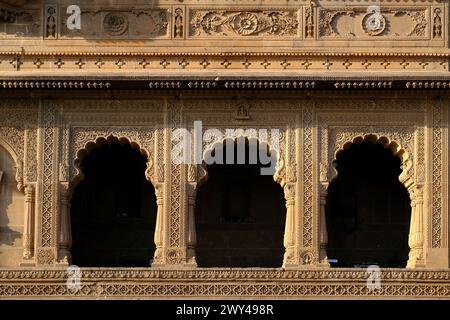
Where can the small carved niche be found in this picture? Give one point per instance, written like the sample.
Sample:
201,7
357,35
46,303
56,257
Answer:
50,22
178,23
242,110
437,23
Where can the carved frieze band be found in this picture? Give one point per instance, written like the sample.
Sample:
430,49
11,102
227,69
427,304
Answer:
307,22
226,283
141,63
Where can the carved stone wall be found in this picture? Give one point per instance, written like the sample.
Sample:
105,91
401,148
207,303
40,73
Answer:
312,131
325,73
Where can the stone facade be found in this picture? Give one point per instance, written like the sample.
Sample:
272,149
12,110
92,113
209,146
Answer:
318,71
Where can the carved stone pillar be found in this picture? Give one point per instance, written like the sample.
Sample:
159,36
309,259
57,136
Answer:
191,232
323,237
65,229
416,236
289,233
158,237
28,228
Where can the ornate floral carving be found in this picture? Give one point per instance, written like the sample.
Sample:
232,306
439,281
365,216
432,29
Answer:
244,23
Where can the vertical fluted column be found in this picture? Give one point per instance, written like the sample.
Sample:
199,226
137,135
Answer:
191,232
323,238
65,230
158,236
289,233
28,234
416,237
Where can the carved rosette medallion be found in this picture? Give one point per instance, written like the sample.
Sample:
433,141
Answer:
115,24
374,24
245,23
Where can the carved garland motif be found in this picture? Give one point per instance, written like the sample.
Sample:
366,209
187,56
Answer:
245,23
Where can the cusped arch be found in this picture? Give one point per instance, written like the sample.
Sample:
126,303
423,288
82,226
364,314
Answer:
108,140
18,162
275,155
405,177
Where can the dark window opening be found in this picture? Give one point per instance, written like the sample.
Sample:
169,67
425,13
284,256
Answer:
368,210
113,210
240,216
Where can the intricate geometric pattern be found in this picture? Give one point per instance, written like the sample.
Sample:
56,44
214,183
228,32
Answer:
47,198
307,177
436,192
237,283
175,185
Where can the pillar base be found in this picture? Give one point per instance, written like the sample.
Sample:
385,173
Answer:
415,260
28,263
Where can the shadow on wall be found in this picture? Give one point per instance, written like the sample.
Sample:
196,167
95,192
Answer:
8,236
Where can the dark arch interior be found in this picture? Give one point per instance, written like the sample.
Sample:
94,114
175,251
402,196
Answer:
368,210
240,217
113,210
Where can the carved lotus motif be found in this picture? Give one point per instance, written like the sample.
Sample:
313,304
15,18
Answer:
115,24
244,23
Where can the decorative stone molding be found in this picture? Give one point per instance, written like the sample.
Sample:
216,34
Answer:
143,283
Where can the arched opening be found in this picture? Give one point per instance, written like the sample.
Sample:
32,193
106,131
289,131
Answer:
113,208
240,213
12,204
368,210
